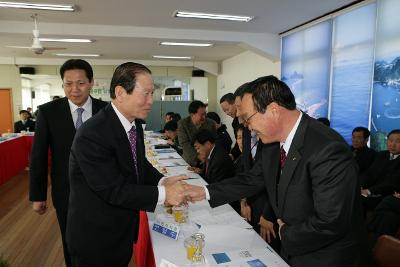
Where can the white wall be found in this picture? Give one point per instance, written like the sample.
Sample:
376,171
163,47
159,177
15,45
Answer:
238,70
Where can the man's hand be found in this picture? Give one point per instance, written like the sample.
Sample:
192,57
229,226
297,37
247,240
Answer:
40,207
174,193
245,210
194,193
396,195
194,169
266,229
173,179
281,224
365,192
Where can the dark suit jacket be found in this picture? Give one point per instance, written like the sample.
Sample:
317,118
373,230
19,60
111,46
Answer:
223,138
364,158
55,130
383,176
106,194
220,166
186,132
19,126
317,197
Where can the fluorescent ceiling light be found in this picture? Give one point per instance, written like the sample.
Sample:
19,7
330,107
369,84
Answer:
66,40
171,57
77,55
199,15
186,44
37,6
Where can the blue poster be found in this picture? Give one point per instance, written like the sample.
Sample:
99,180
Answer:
306,67
385,114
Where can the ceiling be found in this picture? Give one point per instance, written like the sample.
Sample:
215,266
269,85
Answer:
127,29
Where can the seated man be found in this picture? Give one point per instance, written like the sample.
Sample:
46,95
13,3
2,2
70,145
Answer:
25,124
363,155
171,133
188,127
217,164
223,137
383,177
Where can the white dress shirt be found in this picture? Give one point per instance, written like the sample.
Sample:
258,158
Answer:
127,127
286,145
87,110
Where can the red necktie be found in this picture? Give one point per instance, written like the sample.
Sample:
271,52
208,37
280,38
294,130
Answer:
282,157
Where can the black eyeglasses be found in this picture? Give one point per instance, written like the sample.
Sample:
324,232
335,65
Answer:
247,121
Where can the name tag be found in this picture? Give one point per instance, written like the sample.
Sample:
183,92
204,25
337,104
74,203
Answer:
170,230
165,263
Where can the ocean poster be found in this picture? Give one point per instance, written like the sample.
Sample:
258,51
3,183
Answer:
352,62
385,114
306,67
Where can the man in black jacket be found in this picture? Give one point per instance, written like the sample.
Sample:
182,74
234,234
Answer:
25,124
363,155
56,125
110,177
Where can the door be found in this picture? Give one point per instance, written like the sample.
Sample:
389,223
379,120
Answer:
6,118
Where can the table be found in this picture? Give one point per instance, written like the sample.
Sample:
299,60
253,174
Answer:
14,156
227,237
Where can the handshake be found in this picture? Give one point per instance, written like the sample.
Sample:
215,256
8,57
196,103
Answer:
177,191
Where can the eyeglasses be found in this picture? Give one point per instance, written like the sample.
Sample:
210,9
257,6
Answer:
247,121
70,84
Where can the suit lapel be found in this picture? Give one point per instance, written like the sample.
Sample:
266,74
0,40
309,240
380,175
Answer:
270,160
66,110
140,151
292,160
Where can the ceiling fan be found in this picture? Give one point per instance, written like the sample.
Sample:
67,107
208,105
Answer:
37,47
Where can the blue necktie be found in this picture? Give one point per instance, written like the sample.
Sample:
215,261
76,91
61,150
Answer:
132,140
79,121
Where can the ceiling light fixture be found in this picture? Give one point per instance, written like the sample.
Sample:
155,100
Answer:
171,57
199,15
186,44
76,55
37,6
66,40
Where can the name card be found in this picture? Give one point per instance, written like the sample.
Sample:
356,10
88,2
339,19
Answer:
170,230
165,263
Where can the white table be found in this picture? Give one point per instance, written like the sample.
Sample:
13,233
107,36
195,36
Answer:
229,235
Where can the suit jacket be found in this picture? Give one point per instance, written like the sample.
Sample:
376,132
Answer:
364,158
55,130
19,126
220,166
223,138
186,132
235,151
317,197
106,193
383,176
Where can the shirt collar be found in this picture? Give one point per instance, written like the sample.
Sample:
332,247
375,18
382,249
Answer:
288,142
85,106
209,155
124,121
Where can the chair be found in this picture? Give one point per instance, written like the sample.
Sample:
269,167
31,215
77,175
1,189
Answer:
387,251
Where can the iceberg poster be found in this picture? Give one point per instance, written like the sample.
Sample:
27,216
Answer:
353,62
306,67
385,114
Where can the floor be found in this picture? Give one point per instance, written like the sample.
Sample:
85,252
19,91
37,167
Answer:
26,238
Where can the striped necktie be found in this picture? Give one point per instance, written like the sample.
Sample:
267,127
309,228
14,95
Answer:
132,140
79,121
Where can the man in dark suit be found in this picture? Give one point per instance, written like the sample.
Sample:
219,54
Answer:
223,138
217,163
56,125
25,124
382,178
227,103
363,155
110,177
309,173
